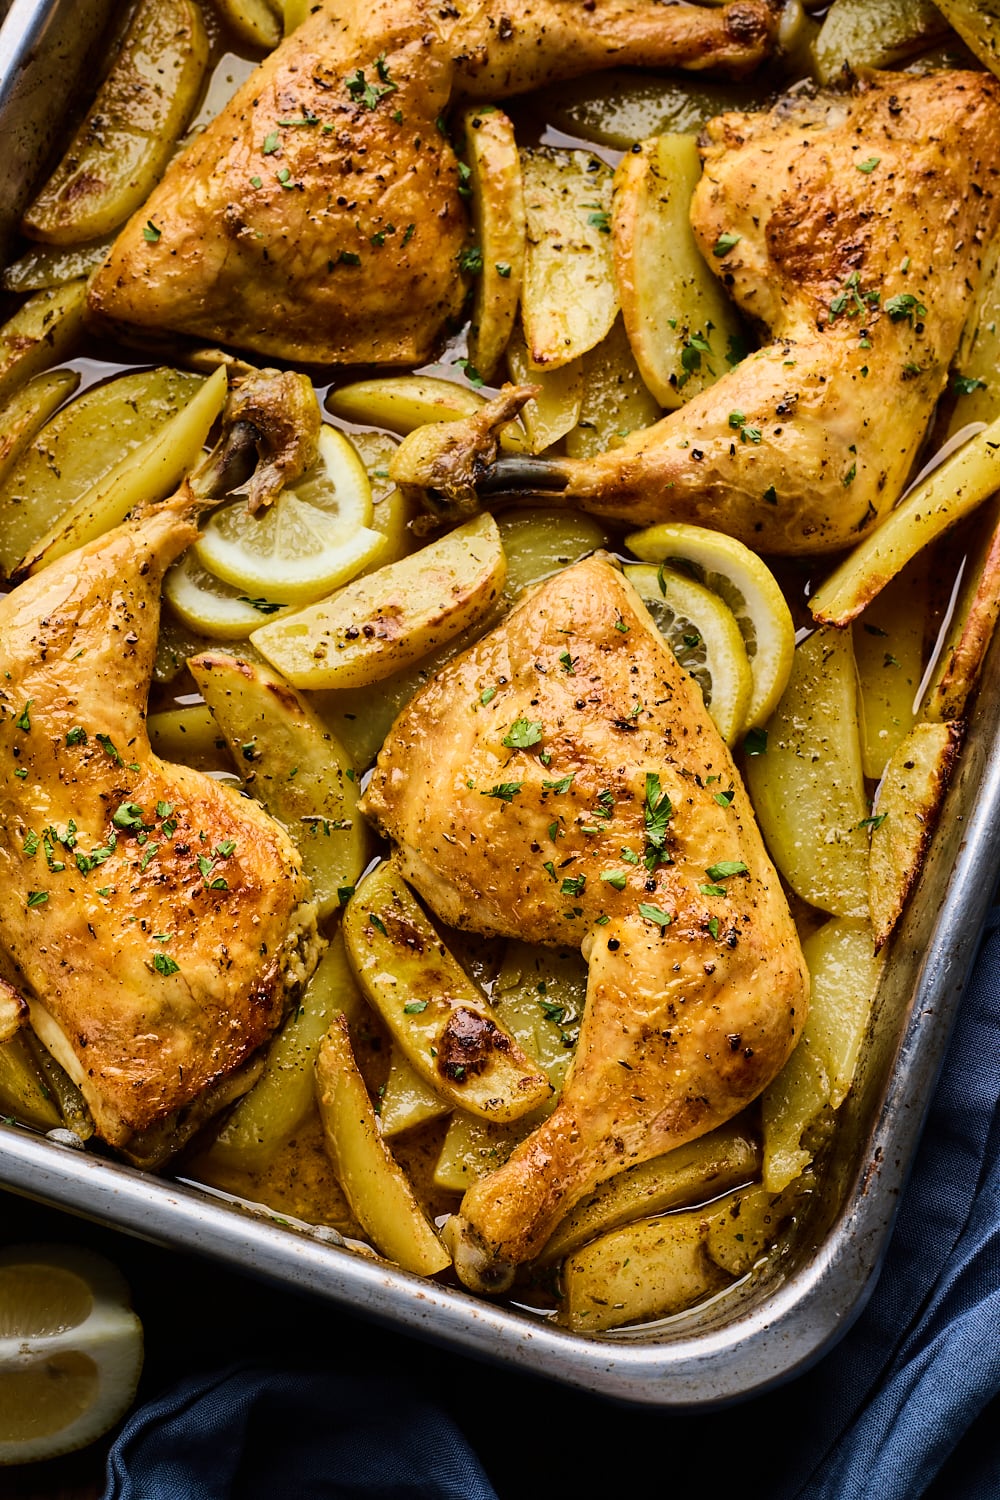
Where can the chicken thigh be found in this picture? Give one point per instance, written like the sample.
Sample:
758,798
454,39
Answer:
159,922
320,217
857,226
562,781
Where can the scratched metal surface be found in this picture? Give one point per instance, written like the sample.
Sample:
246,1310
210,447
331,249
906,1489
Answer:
758,1334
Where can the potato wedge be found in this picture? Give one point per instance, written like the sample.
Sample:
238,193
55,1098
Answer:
745,1226
292,764
616,401
254,22
285,1093
540,540
539,996
499,225
375,1185
441,1020
947,494
975,386
402,403
808,787
555,409
474,1147
619,107
692,1173
122,146
978,24
45,266
888,648
855,34
25,1096
647,1270
844,973
151,472
377,624
971,627
407,1100
45,329
294,12
79,447
908,808
27,410
683,330
569,300
189,735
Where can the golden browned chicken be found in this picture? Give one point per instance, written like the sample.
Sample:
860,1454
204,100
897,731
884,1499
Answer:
320,217
857,225
158,921
562,782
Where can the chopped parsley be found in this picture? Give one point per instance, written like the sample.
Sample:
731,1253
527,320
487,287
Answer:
150,233
869,165
37,898
504,791
522,734
964,385
23,720
725,868
616,878
165,965
755,742
654,914
77,736
904,307
727,241
471,261
414,1007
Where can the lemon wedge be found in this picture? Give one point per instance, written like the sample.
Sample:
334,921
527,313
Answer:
704,636
746,584
70,1350
211,607
315,537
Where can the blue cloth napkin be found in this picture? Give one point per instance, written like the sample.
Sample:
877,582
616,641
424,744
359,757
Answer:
879,1418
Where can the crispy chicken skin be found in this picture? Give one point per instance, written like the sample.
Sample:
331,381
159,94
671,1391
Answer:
863,219
158,921
335,239
694,1000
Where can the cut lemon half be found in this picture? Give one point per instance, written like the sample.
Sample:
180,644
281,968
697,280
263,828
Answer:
315,537
211,607
704,636
70,1350
731,570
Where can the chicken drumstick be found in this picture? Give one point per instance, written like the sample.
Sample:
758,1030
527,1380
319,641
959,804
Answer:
623,827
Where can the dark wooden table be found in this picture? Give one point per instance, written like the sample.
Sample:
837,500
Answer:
536,1440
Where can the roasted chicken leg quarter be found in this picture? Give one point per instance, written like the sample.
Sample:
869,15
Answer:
858,225
159,922
320,217
624,827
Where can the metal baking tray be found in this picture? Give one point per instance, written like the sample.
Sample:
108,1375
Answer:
757,1334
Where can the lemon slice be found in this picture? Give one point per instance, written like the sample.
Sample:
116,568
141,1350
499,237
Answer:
747,585
70,1350
315,537
211,607
704,636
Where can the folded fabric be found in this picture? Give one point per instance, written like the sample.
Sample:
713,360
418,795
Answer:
877,1419
259,1433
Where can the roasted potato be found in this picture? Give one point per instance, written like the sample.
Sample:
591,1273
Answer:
683,330
615,400
855,34
80,447
150,472
45,329
888,648
933,505
440,1020
496,260
978,24
376,625
407,1100
125,141
293,764
402,403
569,300
808,787
376,1186
907,812
555,408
